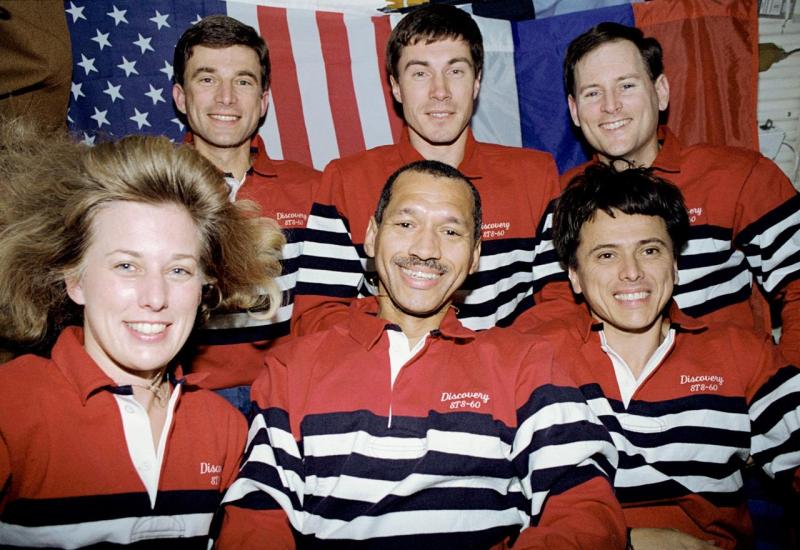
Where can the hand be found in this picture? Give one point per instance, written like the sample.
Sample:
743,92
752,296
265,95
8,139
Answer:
646,538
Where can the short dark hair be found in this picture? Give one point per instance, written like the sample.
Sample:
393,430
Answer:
600,34
439,170
602,188
220,31
432,23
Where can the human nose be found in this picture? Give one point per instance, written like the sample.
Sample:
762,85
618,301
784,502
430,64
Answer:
153,292
425,245
225,94
611,102
630,270
440,88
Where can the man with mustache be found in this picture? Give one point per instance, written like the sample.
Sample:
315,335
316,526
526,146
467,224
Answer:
434,58
401,428
745,214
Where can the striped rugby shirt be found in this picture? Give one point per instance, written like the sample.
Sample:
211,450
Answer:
232,345
71,477
516,186
720,395
745,227
479,437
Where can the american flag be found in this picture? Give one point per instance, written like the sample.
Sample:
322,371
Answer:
330,96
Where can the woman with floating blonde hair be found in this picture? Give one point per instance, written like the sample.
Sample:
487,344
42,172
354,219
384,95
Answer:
106,441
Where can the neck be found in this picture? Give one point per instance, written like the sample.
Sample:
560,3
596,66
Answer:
636,348
641,159
449,153
415,328
231,160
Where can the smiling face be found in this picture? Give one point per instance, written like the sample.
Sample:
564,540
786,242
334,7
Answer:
616,104
423,248
437,87
140,286
222,97
626,270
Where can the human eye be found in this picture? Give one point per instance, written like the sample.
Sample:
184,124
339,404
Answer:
181,272
651,251
605,255
628,85
124,267
451,232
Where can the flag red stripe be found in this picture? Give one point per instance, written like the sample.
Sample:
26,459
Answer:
285,89
339,73
383,28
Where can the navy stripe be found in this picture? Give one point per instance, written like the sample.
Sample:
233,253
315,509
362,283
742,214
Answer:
473,540
672,490
241,335
83,509
772,218
711,305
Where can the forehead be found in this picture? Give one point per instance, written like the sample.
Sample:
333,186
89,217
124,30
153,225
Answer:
622,229
144,228
610,60
447,48
231,58
429,193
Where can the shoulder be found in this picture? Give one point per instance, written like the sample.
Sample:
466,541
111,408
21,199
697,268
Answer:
506,153
377,156
295,170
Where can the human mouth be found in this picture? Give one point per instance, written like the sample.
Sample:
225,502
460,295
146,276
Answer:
439,114
147,329
615,125
631,296
224,118
421,275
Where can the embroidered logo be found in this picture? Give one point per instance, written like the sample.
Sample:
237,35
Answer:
213,469
291,219
695,213
465,400
703,382
496,230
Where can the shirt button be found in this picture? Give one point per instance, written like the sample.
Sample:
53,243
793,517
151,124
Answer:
129,409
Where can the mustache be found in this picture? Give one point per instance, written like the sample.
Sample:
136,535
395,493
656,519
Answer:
410,262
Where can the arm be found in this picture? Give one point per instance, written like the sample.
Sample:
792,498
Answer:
645,538
565,457
266,497
774,409
767,230
330,273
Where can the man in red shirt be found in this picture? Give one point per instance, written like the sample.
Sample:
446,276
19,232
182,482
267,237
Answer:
222,77
744,212
434,57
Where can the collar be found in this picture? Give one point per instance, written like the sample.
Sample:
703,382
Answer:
367,328
586,324
86,377
261,163
669,156
469,164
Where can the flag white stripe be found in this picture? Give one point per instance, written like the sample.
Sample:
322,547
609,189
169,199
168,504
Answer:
312,80
367,83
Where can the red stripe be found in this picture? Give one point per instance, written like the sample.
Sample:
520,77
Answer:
383,28
341,93
285,89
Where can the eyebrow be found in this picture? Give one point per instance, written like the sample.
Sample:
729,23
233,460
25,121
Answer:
136,254
653,240
626,76
411,211
451,61
212,70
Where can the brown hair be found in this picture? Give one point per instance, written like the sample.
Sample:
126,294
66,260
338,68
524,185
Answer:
51,190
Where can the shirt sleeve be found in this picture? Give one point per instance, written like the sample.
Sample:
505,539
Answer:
331,273
774,411
265,501
566,458
767,230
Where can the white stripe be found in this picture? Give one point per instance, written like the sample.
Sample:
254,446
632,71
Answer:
503,311
418,522
325,250
496,118
775,277
489,293
792,385
772,233
245,320
782,463
680,452
291,250
694,418
489,262
312,80
367,67
374,490
703,295
321,223
320,277
118,531
697,247
647,475
244,486
278,438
